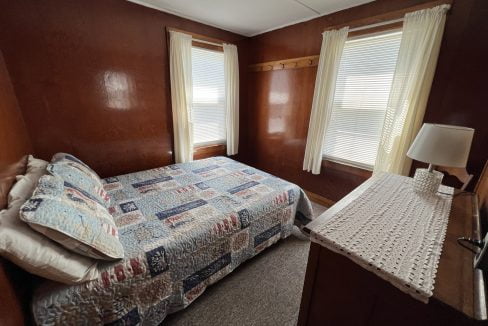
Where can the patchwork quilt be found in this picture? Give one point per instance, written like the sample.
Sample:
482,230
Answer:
183,227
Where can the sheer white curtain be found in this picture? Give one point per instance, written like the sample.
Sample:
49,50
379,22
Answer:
181,95
323,97
415,68
231,71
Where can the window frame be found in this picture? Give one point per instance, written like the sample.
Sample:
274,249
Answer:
395,28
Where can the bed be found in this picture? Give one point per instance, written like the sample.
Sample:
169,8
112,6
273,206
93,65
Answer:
183,227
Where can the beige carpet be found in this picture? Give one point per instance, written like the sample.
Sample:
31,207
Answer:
265,290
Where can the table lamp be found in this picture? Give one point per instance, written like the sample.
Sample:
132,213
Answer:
441,145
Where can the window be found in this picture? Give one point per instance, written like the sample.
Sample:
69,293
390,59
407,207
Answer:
208,107
361,96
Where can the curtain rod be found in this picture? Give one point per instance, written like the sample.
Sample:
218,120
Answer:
206,42
388,22
199,38
388,17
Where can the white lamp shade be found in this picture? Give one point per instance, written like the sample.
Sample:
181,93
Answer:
442,145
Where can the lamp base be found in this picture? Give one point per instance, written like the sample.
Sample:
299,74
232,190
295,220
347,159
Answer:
427,181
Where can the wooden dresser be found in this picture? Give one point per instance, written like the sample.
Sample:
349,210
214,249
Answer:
337,291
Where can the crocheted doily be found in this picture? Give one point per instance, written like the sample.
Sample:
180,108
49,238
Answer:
393,232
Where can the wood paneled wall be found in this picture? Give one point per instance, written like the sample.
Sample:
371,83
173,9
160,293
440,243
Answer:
279,101
278,117
459,92
14,139
14,145
92,78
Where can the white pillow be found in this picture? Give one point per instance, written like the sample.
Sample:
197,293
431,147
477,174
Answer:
25,185
36,165
39,255
21,190
31,250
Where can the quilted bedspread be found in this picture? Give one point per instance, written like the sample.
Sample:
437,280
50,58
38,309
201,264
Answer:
183,227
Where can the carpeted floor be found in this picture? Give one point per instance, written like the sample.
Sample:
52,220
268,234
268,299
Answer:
265,290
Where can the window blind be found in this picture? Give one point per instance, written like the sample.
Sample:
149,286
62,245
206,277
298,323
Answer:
208,107
363,85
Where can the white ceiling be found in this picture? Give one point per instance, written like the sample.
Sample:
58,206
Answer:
250,17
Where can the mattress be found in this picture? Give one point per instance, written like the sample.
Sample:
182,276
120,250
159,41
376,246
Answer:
183,227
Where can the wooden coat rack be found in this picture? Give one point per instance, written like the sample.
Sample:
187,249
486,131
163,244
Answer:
302,62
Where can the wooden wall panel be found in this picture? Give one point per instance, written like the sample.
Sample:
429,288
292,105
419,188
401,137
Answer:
279,102
304,39
92,78
278,116
14,139
459,93
14,145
